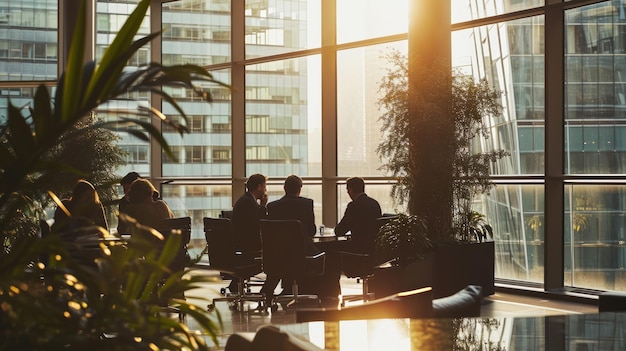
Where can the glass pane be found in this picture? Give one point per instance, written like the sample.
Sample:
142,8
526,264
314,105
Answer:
380,191
18,97
196,32
595,104
517,215
196,201
359,73
28,40
510,55
206,151
110,17
283,118
367,19
279,26
595,249
465,10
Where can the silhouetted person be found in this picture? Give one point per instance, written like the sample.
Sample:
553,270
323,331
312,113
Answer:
294,207
80,213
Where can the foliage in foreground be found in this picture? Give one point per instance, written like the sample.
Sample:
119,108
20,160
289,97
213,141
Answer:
114,304
70,303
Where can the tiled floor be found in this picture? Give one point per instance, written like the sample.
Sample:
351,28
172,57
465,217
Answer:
497,305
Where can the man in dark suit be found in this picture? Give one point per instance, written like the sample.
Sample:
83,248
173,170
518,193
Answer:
360,218
247,212
295,207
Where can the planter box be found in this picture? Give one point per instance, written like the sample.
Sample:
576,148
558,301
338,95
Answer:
447,269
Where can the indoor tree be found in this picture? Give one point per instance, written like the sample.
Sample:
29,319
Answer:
469,103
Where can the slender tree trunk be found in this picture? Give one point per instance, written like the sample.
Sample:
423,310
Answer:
431,125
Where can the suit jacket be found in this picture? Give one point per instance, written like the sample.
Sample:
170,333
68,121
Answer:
245,223
360,219
296,208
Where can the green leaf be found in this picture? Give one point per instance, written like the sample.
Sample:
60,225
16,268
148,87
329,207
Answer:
107,69
72,77
42,113
20,135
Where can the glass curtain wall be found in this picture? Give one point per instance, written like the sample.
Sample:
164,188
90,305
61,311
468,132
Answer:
28,49
511,55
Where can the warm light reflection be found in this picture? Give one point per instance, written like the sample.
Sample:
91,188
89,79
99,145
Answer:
376,334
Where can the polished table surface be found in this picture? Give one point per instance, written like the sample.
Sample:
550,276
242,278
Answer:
576,332
328,235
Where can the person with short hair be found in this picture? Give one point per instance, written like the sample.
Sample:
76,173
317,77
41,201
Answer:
125,182
359,218
247,213
248,210
294,207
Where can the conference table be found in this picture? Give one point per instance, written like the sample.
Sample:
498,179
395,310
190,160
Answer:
327,235
575,332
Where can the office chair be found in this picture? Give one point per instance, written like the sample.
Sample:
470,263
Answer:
182,226
284,255
182,260
230,263
361,266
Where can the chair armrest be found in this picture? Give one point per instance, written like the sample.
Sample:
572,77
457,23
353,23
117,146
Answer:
316,256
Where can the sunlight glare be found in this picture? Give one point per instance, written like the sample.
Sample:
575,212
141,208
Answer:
381,334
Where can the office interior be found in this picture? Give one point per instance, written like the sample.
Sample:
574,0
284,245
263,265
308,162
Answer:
304,77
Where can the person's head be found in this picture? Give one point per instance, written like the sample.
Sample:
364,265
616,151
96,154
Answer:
293,185
257,185
140,190
84,193
355,186
128,179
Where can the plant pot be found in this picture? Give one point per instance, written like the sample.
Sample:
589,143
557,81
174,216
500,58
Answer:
448,269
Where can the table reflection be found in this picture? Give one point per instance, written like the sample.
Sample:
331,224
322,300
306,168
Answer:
604,331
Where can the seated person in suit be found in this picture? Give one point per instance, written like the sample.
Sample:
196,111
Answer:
295,207
360,218
85,209
248,210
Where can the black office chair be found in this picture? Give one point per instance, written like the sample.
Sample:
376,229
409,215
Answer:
177,226
284,255
230,263
182,226
361,266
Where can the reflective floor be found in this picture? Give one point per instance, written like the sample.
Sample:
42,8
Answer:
499,306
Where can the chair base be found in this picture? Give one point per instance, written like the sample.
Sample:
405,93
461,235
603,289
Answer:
365,296
236,302
293,302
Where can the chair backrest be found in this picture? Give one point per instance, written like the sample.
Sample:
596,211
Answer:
183,225
219,240
284,251
226,214
179,223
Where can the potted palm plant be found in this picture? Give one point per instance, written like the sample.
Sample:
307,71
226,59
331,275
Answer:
117,305
470,103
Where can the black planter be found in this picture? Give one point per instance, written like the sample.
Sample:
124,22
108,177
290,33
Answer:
448,269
